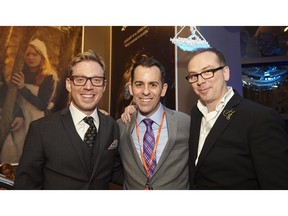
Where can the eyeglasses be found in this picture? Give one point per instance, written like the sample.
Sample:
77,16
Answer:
82,80
207,74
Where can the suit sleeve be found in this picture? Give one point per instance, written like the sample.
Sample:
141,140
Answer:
29,173
269,149
117,177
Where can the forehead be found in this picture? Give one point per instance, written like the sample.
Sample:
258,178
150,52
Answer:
31,49
203,60
87,68
147,73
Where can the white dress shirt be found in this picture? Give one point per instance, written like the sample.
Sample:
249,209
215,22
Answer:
80,125
209,118
156,117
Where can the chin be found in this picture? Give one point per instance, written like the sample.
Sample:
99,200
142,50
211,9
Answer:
145,112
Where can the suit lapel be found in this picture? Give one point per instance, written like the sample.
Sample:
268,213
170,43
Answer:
131,144
196,117
101,137
222,122
171,121
73,135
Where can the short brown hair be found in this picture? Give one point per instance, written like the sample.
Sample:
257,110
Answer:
220,55
89,55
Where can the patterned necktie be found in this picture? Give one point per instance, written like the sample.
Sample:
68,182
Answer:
91,133
148,146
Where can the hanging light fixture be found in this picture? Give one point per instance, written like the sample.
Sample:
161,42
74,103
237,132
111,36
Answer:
192,43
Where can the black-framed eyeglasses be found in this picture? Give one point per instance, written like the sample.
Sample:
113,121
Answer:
207,74
82,80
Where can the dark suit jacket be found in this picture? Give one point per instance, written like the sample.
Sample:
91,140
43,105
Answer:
245,150
52,157
171,172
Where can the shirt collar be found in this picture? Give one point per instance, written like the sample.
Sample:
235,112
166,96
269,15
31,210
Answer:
220,105
156,117
78,116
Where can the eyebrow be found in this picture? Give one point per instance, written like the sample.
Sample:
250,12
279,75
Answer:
203,69
152,82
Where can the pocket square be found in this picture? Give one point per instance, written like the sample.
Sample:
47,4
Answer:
113,145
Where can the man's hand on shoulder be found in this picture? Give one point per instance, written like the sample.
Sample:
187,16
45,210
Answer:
129,110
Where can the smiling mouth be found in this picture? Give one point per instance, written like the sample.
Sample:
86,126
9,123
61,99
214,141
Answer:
87,96
203,90
145,100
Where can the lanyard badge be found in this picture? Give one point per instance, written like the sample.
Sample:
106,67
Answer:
147,185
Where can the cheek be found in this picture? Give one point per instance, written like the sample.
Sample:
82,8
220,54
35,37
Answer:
194,86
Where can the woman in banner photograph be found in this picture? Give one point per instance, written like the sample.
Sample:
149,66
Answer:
36,83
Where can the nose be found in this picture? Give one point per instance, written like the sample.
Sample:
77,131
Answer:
200,80
146,90
88,84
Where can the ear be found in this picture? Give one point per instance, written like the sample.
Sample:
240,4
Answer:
68,85
104,86
226,73
130,88
164,89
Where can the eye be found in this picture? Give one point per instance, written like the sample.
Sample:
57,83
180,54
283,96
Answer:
97,80
154,85
208,71
138,85
193,75
80,79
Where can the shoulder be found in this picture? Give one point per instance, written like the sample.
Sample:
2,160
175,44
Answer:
51,117
122,124
48,77
177,114
259,113
107,118
255,107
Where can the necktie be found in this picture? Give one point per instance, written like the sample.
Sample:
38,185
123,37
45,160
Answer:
148,147
91,133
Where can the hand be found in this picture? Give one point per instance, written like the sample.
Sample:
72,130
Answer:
104,112
129,110
18,79
17,123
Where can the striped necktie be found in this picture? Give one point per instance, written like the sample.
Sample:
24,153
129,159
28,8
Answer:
148,147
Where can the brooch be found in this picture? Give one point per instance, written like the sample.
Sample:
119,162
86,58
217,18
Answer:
228,113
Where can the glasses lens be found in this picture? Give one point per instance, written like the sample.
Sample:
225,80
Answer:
79,80
97,81
207,74
191,78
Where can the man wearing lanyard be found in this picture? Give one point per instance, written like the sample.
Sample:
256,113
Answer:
154,145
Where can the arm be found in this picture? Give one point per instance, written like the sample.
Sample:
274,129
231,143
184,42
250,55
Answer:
18,121
45,92
129,110
17,112
29,174
44,96
269,149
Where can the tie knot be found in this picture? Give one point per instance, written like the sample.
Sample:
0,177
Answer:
148,122
89,121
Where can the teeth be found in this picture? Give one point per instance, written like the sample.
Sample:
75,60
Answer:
88,96
145,100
